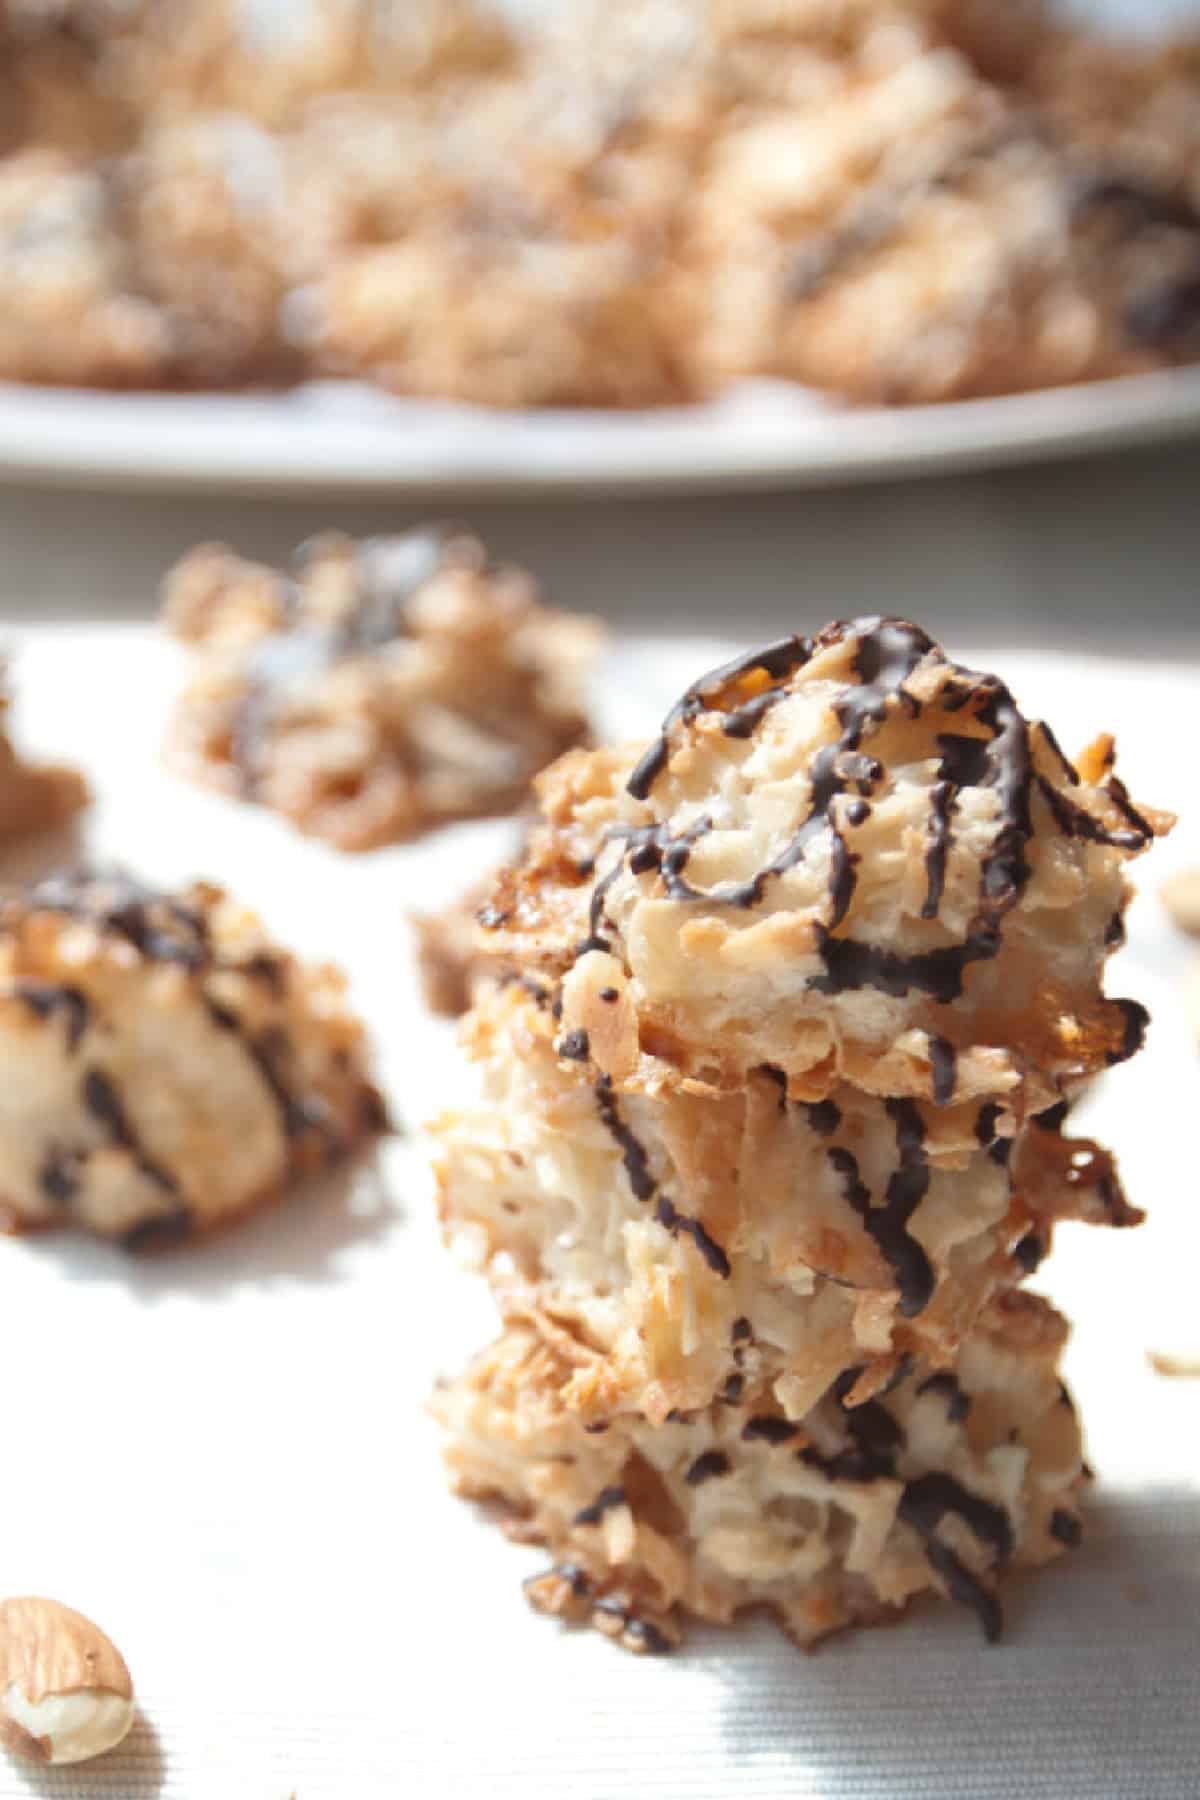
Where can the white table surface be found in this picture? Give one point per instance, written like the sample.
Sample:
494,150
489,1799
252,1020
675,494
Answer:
223,1456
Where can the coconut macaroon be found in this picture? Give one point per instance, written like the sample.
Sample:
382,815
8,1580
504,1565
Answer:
943,1481
33,796
789,1011
850,1230
376,689
170,1067
845,857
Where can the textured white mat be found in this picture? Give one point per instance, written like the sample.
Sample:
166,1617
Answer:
223,1456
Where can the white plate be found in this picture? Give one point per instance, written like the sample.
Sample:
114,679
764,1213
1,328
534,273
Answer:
330,436
222,1455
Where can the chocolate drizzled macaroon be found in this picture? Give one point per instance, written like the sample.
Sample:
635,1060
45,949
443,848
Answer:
170,1068
852,1230
839,1518
849,858
793,1004
376,689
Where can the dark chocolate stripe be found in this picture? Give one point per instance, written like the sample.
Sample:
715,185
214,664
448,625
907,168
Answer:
856,1466
633,1154
926,1501
1075,822
1136,1020
102,1100
823,1116
711,1463
965,1588
1066,1528
943,1063
159,927
887,650
850,965
58,1177
887,1224
941,799
605,1501
768,1428
1029,1251
45,999
672,1220
985,1123
777,661
297,1114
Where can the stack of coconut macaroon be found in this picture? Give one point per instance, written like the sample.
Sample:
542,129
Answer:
790,1010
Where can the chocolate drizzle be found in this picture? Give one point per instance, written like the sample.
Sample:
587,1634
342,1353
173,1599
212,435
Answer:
965,1588
160,928
45,999
605,1501
776,661
822,1115
768,1428
850,965
1134,1036
1076,822
58,1177
672,1220
888,1224
985,1123
297,1113
888,650
926,1501
1029,1251
706,1466
943,1063
996,756
1066,1528
633,1154
876,1434
781,1082
941,799
102,1100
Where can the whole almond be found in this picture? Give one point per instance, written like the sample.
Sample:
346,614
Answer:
65,1692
